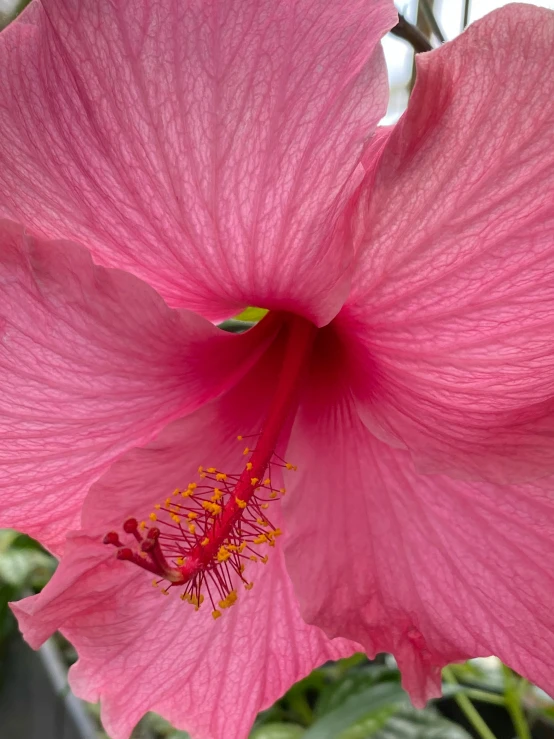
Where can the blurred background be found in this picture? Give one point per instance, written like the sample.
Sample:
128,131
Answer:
352,699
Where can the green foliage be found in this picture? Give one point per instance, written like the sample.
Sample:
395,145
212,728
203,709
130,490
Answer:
23,563
245,320
371,707
24,567
252,314
278,731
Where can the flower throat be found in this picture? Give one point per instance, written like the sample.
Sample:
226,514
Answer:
202,538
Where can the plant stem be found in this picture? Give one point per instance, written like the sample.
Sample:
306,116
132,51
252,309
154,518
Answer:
410,33
485,697
469,710
512,695
427,9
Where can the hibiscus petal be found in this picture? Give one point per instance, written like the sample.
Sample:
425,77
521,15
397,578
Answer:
208,677
92,362
208,148
454,301
431,569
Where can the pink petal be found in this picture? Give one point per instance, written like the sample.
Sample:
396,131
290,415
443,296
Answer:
454,300
208,147
209,677
431,569
92,362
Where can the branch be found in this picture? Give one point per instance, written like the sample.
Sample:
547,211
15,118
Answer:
411,34
431,20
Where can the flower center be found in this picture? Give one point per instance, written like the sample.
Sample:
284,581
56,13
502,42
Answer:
203,537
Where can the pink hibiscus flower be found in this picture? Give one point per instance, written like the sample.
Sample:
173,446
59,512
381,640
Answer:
212,155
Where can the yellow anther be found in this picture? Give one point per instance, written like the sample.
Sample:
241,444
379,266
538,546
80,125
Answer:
211,470
241,568
249,466
212,508
223,554
200,600
202,474
264,506
192,528
167,502
192,486
205,542
254,480
273,495
186,493
290,466
191,516
165,592
267,481
221,476
261,539
175,517
184,597
241,503
200,469
176,492
216,614
264,560
143,555
153,517
277,532
229,601
217,495
157,506
246,451
253,558
240,438
154,583
180,561
142,525
243,546
248,585
282,491
232,547
262,522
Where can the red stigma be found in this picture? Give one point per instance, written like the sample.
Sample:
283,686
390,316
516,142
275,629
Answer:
112,537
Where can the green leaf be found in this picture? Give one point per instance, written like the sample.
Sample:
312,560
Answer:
235,327
19,566
252,314
354,681
408,723
278,731
376,703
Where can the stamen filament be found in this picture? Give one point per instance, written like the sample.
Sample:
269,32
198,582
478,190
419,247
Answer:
206,534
